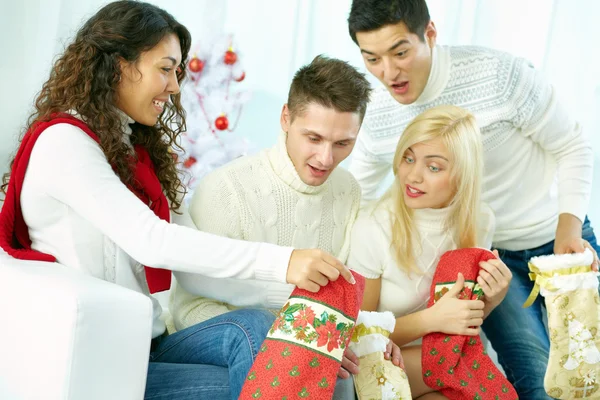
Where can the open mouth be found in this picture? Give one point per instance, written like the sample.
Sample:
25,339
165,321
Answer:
159,105
400,88
413,192
316,172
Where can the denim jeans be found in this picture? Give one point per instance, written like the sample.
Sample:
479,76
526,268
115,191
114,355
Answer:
210,360
518,334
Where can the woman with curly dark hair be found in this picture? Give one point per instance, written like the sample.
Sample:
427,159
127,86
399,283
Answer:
94,186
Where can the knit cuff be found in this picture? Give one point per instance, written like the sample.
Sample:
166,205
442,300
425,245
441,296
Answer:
278,296
272,262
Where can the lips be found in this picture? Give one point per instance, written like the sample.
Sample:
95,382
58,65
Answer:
413,192
400,88
159,104
316,172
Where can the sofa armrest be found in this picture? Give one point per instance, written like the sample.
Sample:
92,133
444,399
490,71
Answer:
67,335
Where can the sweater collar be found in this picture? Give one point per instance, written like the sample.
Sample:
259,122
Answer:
284,168
438,76
431,218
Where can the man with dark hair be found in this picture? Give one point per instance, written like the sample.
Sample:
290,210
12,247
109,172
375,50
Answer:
291,194
529,141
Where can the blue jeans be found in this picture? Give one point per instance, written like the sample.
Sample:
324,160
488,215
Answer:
518,334
210,360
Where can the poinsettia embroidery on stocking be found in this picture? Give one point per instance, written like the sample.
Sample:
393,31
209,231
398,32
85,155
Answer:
302,353
455,365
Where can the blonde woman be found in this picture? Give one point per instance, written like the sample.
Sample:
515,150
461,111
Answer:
433,206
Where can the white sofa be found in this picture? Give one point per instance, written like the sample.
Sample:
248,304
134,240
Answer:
67,336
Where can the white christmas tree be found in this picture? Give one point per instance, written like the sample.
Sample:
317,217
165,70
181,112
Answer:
213,99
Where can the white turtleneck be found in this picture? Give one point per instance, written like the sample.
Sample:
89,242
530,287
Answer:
538,164
262,198
404,293
78,210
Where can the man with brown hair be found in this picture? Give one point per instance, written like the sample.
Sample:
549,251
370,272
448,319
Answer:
291,194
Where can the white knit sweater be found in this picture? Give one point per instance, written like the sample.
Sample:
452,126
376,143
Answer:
404,293
79,211
261,198
528,138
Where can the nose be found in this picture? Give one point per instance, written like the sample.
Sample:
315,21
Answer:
173,84
414,174
388,68
325,156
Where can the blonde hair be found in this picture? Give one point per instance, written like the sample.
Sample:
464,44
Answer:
459,132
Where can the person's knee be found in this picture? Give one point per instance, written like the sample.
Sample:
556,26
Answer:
250,325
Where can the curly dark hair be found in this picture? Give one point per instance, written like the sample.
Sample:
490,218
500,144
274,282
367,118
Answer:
85,79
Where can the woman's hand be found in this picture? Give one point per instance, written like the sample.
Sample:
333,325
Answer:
311,268
453,316
494,278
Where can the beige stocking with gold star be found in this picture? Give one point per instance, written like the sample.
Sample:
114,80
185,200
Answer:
570,290
378,379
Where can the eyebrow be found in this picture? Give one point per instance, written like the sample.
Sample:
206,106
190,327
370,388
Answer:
430,156
393,47
309,132
173,60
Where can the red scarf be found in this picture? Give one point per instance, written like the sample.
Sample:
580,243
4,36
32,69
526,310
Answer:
14,233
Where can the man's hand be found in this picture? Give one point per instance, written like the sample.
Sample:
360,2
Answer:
310,269
349,364
568,238
494,278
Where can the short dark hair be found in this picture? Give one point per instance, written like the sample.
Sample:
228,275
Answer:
331,83
369,15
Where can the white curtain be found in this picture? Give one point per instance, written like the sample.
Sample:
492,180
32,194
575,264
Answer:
276,37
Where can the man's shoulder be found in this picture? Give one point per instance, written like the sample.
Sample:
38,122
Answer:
235,168
343,179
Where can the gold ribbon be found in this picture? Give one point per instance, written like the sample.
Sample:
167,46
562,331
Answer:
361,330
543,279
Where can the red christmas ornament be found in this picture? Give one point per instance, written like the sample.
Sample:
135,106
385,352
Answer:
230,57
241,77
189,162
221,123
196,65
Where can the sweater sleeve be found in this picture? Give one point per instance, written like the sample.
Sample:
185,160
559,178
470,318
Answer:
78,175
366,246
368,169
541,117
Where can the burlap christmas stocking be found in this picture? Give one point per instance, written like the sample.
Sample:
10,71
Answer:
301,356
455,365
570,290
378,379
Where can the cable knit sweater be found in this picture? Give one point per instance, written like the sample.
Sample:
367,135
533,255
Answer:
404,293
78,210
528,140
261,198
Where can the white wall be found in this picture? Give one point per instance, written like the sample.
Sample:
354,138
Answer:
276,37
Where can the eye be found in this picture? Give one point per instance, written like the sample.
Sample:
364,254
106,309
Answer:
409,159
167,70
313,139
402,53
342,144
433,168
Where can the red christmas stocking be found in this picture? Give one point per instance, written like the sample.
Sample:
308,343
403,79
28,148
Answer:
455,365
302,353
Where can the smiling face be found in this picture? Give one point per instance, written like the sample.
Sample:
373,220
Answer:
424,175
399,59
318,139
147,84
